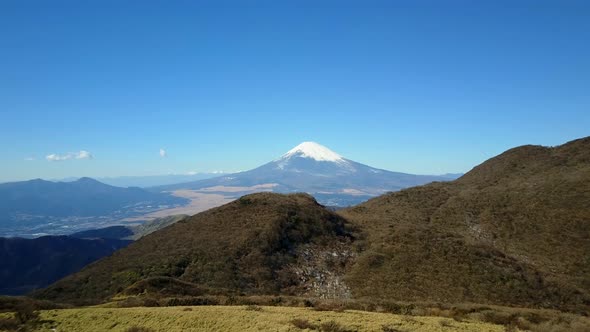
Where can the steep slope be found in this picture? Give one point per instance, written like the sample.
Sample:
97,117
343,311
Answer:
515,230
32,203
315,169
28,264
250,246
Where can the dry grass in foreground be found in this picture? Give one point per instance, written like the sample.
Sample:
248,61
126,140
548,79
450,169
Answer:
244,318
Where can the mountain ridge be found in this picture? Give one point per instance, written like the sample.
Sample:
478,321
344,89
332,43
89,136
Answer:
248,246
521,217
514,231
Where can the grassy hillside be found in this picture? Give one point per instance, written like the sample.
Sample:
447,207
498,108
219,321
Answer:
245,318
515,230
260,244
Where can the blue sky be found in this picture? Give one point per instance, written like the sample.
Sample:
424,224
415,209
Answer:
413,86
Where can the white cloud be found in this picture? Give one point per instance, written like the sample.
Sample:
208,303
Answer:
82,154
55,157
29,158
206,172
163,153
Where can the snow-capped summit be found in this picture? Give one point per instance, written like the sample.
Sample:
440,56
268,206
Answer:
315,169
314,151
313,158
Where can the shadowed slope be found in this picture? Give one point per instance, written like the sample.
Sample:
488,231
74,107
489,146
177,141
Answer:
28,264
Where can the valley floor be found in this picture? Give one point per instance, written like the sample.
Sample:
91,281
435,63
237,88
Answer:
244,318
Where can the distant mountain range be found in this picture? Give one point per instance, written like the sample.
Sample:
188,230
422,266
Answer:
315,169
513,231
37,206
149,180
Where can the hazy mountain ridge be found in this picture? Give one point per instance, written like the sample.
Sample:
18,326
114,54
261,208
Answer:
146,181
70,198
38,205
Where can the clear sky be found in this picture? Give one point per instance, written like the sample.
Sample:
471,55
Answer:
424,87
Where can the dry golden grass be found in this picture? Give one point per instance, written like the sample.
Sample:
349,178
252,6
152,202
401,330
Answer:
240,318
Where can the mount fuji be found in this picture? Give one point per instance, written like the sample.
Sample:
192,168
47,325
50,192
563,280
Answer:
310,167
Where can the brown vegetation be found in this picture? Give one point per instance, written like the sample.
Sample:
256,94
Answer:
246,247
303,324
139,329
24,314
514,231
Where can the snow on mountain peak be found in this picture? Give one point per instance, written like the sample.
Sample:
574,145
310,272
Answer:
314,151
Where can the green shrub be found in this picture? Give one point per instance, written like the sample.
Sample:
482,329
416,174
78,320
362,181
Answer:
303,324
329,306
253,307
445,323
245,201
26,314
389,328
332,326
8,324
139,329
